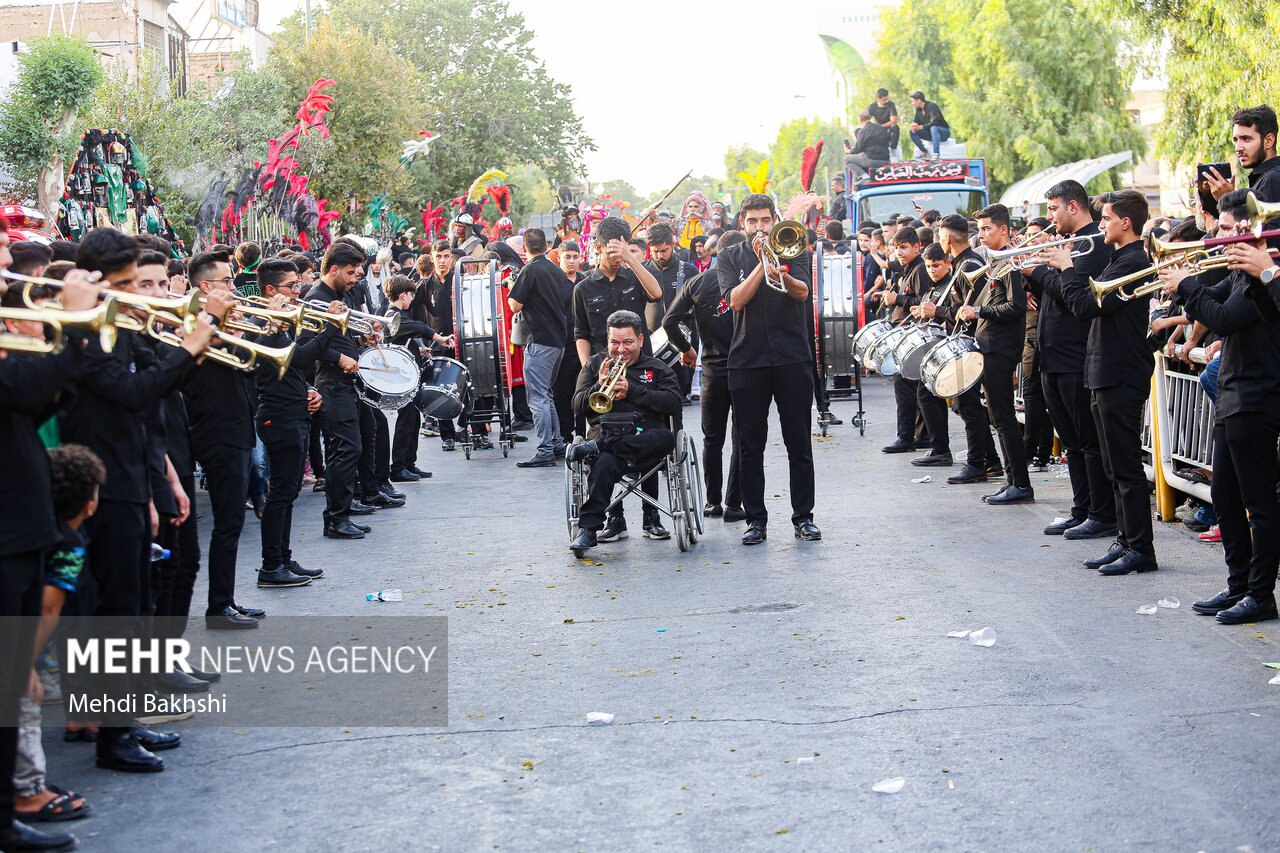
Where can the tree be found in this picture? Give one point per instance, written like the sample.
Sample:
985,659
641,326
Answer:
787,149
741,158
56,79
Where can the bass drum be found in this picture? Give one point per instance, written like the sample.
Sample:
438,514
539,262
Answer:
952,367
387,377
665,351
914,346
881,358
444,389
866,337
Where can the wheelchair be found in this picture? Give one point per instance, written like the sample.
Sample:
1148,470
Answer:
684,491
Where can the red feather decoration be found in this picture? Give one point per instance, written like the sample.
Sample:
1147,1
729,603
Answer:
809,164
502,198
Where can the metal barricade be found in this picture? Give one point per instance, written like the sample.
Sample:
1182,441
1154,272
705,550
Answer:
1181,434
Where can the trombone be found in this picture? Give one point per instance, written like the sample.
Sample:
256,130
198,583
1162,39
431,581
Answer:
1196,259
601,402
101,320
787,241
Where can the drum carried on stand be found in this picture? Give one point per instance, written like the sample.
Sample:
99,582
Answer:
482,321
443,393
837,313
388,377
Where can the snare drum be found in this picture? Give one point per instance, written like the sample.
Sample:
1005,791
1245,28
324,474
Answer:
880,358
952,367
388,377
444,389
866,337
914,346
665,351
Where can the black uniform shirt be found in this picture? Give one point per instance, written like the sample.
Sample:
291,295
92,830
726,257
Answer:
1002,320
1062,336
411,331
672,278
772,329
930,115
880,114
652,390
285,399
961,294
1117,352
220,406
331,378
701,301
539,287
911,284
596,297
1248,380
1265,180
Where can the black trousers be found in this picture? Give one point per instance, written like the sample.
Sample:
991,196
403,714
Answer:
1070,410
178,573
1117,411
226,470
286,444
934,411
316,445
977,429
716,405
1037,429
753,391
404,441
368,464
1245,473
562,393
904,396
21,587
997,384
520,410
618,456
342,454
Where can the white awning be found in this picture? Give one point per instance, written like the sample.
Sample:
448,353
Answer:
1031,189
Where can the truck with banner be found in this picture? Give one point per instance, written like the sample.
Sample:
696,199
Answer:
914,186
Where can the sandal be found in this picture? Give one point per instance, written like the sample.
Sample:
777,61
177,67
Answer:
58,809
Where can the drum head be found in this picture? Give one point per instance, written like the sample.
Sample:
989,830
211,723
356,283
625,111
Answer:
911,350
952,367
387,377
882,358
444,389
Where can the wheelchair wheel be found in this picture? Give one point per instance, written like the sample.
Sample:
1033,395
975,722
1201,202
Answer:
575,492
695,488
678,495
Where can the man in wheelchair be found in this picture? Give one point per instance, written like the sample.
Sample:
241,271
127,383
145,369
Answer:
628,428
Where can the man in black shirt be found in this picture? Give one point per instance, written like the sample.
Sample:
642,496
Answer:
884,113
671,272
1253,132
870,148
1062,342
1246,421
283,417
538,295
1000,308
839,199
412,333
770,359
635,434
336,372
928,125
933,410
1118,367
701,304
620,282
909,287
570,254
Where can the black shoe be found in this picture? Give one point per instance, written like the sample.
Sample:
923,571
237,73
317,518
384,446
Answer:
251,612
1248,609
899,446
343,530
381,501
423,475
390,491
968,474
1039,464
1194,524
229,619
210,675
934,460
482,442
1012,495
359,508
447,445
319,485
1060,527
280,576
1130,561
1220,602
734,513
180,682
404,475
654,530
1115,552
560,451
997,494
538,462
583,450
154,741
1091,529
712,511
995,471
18,836
755,534
297,569
522,426
808,531
119,750
614,529
584,540
829,419
517,437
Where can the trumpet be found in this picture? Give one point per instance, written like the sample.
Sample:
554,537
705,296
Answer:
1024,256
101,320
1196,260
360,322
281,357
601,402
258,306
184,307
786,241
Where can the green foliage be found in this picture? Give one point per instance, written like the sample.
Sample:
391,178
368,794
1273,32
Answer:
793,138
741,158
1026,86
56,78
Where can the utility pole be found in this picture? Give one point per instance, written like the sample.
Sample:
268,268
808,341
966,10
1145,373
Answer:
308,14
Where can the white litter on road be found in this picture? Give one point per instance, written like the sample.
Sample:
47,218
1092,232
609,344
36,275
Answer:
889,786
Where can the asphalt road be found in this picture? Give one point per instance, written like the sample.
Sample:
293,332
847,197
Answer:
758,694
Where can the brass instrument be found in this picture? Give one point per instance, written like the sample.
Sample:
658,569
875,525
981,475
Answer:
1260,212
257,306
279,356
101,320
1023,256
786,241
601,402
1191,255
360,322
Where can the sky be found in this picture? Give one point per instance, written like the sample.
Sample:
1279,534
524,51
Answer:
665,86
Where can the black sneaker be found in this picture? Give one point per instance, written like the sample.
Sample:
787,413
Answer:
614,529
404,475
423,475
447,445
281,576
483,443
654,530
390,491
713,511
